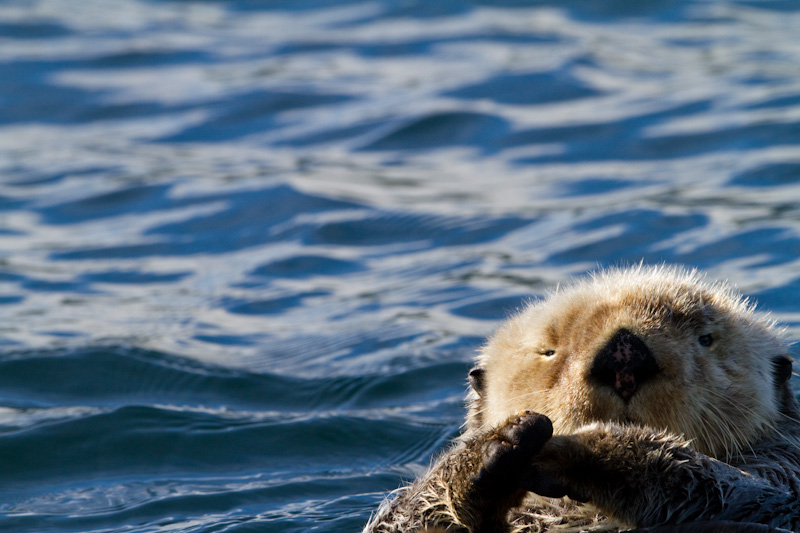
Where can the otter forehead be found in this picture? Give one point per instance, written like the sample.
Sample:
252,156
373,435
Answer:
648,297
662,301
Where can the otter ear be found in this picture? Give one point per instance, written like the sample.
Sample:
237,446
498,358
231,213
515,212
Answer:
476,400
476,376
781,369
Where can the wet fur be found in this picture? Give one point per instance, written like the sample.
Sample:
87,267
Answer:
714,437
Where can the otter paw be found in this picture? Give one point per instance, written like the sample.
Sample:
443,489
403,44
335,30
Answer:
508,450
546,475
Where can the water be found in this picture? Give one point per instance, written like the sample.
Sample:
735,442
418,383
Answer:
248,249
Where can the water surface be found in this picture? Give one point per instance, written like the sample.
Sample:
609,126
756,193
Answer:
248,249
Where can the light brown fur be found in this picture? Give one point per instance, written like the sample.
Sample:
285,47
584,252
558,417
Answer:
669,309
712,436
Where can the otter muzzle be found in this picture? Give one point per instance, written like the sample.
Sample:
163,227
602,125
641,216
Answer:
623,364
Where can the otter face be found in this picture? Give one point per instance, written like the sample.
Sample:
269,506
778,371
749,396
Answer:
655,347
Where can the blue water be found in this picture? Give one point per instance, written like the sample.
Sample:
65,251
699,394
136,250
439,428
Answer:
248,249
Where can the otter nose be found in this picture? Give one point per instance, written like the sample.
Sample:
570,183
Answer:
624,363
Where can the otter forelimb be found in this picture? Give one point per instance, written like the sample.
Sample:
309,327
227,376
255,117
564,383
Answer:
634,475
473,486
645,479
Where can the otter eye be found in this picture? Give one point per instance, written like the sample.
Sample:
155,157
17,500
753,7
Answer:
548,353
705,340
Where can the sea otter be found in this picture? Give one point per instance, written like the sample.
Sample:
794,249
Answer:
644,397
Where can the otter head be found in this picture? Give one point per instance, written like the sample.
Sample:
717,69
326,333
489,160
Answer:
656,347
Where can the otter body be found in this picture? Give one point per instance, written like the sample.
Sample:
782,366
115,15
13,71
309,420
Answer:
638,398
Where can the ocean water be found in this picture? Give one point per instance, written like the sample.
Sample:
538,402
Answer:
249,248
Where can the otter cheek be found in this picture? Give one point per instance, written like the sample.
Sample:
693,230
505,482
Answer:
501,403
